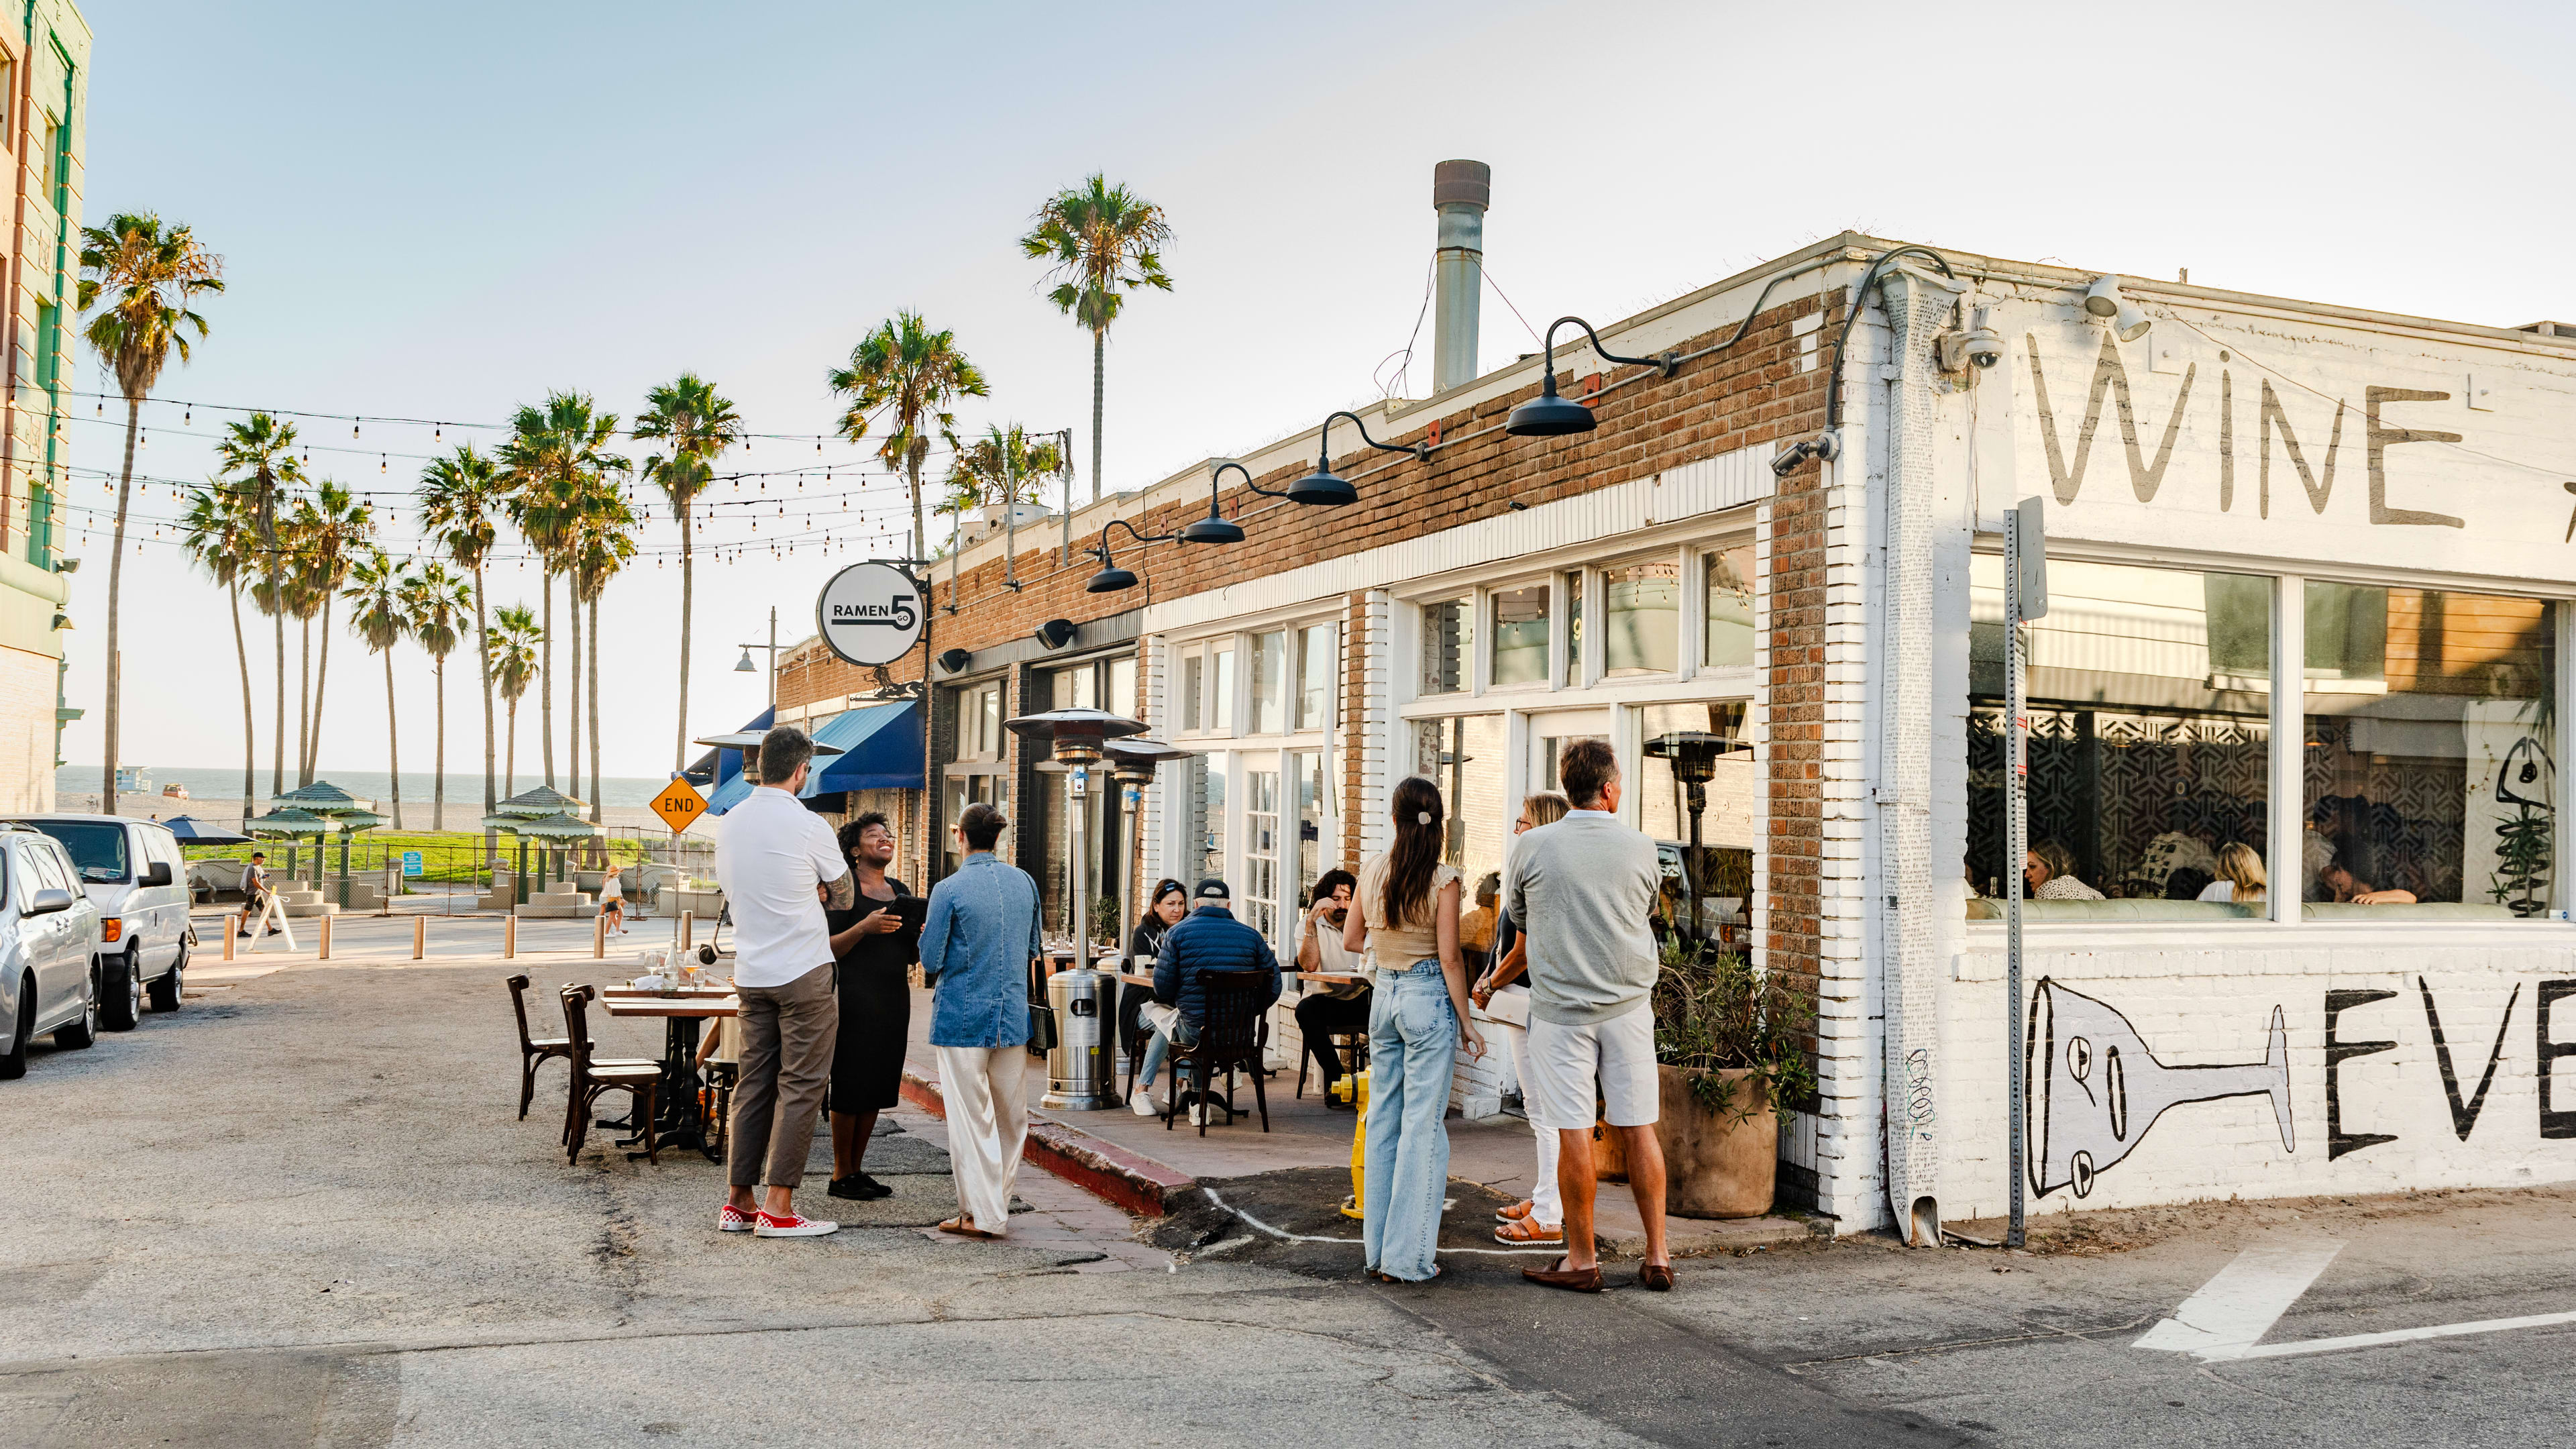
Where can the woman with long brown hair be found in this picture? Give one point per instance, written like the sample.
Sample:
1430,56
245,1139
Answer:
1406,913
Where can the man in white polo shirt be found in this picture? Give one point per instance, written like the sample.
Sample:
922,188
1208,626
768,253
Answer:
778,863
1583,890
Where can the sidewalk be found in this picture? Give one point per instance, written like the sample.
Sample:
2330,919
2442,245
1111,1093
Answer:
1139,1164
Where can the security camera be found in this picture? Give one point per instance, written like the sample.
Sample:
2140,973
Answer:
1985,345
2103,299
1822,447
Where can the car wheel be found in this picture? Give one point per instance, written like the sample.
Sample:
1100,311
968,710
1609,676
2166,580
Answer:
13,1062
121,1008
80,1034
165,988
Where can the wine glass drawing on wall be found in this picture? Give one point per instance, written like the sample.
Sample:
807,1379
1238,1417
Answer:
2100,1088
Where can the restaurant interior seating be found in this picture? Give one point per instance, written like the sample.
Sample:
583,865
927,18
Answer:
1230,1038
592,1078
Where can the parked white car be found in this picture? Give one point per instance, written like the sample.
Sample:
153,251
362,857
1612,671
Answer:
48,943
132,871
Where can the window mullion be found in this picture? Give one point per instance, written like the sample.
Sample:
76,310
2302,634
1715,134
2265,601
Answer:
2287,865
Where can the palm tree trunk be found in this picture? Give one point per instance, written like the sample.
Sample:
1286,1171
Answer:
546,673
912,468
688,583
438,763
115,580
510,764
572,736
277,747
1099,372
321,680
594,711
393,738
483,662
250,746
304,708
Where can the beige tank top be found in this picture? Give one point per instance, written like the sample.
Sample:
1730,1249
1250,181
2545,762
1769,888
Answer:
1397,946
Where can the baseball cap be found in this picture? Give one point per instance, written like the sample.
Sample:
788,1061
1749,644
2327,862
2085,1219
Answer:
1212,889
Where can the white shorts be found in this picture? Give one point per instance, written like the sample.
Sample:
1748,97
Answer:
1566,1062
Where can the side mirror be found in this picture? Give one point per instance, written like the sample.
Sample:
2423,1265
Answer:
49,900
157,874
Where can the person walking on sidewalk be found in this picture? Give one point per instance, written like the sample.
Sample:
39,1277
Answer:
779,867
976,947
1583,891
1208,939
1537,1220
259,890
1406,911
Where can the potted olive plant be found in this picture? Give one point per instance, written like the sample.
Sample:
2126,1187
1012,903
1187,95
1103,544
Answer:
1729,1046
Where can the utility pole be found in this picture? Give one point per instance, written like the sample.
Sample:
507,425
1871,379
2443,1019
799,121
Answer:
772,646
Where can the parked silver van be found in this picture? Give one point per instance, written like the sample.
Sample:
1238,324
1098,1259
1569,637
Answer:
131,870
48,942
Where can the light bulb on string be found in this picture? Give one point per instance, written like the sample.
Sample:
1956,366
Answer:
188,416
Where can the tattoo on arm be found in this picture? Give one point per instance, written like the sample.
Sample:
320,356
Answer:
844,892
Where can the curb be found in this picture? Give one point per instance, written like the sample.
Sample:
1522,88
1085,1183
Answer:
1105,1170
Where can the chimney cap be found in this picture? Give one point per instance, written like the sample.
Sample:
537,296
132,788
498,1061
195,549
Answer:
1471,182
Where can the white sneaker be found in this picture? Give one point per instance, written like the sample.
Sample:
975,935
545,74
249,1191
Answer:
1142,1100
1198,1113
794,1225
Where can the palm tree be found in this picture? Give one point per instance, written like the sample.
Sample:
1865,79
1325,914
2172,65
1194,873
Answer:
1002,466
341,526
298,591
1104,242
462,498
221,539
553,454
437,603
258,456
380,613
149,278
607,541
699,425
916,373
512,655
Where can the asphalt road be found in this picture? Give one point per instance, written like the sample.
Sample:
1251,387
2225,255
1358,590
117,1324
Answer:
303,1212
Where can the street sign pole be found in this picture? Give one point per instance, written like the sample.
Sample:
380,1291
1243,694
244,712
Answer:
2025,597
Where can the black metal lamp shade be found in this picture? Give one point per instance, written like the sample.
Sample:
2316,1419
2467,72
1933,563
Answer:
1110,581
1212,529
1111,577
1323,488
1550,416
955,660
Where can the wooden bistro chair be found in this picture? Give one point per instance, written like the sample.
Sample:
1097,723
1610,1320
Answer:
591,1077
1230,1038
1351,1045
533,1050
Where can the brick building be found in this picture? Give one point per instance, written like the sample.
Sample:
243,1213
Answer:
1687,565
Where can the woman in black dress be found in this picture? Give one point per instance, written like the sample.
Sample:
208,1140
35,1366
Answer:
872,947
1163,909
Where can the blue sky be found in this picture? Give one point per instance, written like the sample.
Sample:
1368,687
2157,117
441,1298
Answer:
443,213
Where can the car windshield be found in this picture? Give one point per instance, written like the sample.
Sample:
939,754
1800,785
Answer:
98,849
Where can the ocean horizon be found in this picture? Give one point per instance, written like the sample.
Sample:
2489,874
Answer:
377,785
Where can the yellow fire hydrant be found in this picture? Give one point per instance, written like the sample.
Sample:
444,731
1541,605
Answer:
1353,1087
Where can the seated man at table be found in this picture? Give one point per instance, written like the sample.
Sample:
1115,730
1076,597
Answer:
1329,1007
1208,939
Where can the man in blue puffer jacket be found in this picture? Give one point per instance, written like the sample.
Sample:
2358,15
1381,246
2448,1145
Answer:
1208,939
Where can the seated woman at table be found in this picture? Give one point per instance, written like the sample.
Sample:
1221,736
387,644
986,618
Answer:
1328,1008
1163,910
872,949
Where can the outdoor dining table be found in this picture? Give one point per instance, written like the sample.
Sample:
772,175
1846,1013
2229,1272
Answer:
680,1123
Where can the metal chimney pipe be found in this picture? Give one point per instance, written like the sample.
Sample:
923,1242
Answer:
1460,192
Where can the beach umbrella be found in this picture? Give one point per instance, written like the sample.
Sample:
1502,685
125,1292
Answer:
324,798
192,831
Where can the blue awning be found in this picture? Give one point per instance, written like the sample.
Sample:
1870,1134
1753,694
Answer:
881,750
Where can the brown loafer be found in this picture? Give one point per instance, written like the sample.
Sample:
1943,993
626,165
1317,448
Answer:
1572,1280
1657,1276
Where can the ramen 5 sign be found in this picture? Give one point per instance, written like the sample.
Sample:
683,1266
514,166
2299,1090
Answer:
870,613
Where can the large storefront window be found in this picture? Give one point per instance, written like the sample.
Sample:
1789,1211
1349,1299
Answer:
1465,757
2150,743
1726,631
1723,870
974,770
1641,606
1520,635
2429,746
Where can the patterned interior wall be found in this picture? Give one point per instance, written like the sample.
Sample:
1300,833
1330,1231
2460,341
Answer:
2111,785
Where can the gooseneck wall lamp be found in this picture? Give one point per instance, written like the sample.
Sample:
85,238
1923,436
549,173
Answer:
1550,416
1324,487
1111,577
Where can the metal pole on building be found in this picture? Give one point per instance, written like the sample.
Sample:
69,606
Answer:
1010,517
1064,470
773,663
2025,597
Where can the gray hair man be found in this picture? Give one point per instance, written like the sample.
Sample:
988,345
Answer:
779,864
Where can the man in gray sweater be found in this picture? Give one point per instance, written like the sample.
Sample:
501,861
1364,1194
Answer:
1583,892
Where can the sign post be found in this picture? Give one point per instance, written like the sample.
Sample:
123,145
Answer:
2025,597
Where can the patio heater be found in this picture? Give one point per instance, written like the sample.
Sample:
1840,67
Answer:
1134,763
1076,1080
1693,754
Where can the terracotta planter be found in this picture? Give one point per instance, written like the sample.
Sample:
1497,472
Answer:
1609,1154
1715,1166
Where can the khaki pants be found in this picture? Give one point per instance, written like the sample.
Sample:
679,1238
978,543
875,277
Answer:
787,1037
987,1095
270,908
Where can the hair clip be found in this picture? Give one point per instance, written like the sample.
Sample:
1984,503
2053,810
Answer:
1422,818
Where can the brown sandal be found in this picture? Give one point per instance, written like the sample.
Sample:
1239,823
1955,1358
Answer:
965,1229
1573,1280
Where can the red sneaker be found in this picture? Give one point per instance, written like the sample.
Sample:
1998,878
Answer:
731,1219
794,1225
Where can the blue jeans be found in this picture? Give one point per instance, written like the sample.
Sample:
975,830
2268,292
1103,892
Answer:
1156,1048
1413,1044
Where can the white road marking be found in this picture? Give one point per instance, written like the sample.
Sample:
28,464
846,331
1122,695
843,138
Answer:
2233,1310
2227,1318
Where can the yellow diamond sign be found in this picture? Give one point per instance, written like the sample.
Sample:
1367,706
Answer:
679,805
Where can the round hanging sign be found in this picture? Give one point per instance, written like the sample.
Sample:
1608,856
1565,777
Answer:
869,613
